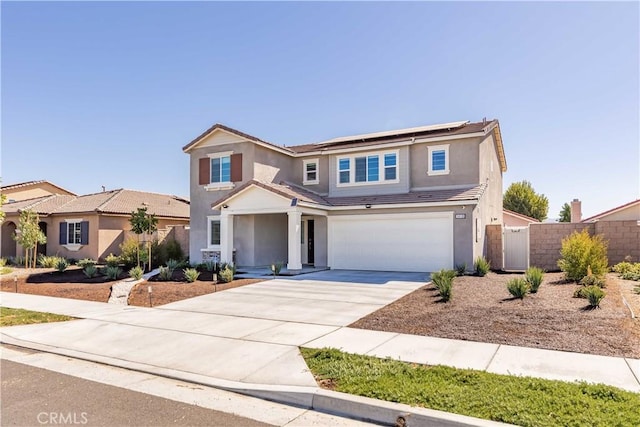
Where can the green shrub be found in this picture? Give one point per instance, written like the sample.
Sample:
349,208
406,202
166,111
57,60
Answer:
461,269
623,267
158,253
90,271
165,273
129,252
85,262
534,276
229,265
112,272
581,251
628,270
518,288
172,264
49,261
136,272
112,261
173,250
208,266
594,295
481,266
591,280
226,274
276,268
62,265
443,281
3,262
18,260
191,274
580,292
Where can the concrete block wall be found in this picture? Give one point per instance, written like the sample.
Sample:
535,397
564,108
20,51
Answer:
545,242
494,246
623,239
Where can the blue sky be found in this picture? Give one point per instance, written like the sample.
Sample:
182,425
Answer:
108,93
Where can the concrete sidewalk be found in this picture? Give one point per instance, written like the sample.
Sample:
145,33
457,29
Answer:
246,340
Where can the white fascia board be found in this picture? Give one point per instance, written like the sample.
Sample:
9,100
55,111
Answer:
403,205
450,137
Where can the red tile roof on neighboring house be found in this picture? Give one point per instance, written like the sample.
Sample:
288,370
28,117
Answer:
291,191
611,211
109,202
31,184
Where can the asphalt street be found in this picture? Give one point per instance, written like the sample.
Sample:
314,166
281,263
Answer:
38,397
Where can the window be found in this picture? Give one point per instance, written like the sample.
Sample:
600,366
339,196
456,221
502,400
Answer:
310,168
214,232
74,232
344,167
438,160
221,169
373,168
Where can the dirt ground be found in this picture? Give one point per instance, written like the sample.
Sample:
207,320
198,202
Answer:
482,309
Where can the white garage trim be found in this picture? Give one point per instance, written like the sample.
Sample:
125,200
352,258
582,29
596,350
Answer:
392,242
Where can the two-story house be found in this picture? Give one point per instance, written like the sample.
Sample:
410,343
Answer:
414,199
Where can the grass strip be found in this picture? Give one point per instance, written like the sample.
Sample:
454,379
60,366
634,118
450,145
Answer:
523,401
18,316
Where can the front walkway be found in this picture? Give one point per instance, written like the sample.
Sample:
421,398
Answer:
250,335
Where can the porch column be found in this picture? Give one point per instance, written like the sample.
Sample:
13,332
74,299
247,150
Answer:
226,237
295,257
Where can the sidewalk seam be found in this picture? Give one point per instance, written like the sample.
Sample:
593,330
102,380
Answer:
486,368
632,371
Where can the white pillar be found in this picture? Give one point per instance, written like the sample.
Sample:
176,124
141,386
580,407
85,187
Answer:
295,224
226,237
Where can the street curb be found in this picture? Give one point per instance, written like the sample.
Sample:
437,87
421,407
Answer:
321,400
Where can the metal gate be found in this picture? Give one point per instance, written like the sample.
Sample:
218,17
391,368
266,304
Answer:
515,248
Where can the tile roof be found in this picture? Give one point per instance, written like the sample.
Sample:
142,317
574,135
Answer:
432,196
519,215
30,184
233,131
610,211
114,202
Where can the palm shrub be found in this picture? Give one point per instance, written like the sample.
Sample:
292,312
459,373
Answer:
581,251
461,269
191,274
226,274
165,273
61,265
594,295
481,266
443,281
136,272
90,271
172,264
518,287
534,276
112,272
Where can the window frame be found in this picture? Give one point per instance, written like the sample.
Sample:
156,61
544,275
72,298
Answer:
305,171
431,150
222,184
381,168
210,220
76,227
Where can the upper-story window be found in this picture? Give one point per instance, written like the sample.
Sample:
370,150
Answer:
381,168
218,171
310,170
438,160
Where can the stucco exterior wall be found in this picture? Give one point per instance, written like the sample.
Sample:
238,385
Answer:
270,244
629,214
85,251
463,164
32,192
489,208
323,173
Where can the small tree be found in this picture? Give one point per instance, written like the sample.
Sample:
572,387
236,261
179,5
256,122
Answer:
565,213
3,200
143,223
581,254
28,235
520,197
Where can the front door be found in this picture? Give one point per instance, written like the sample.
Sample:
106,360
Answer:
310,238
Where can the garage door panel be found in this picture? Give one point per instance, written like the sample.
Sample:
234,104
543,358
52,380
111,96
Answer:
401,242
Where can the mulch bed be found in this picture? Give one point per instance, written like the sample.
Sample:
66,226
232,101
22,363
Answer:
71,275
482,310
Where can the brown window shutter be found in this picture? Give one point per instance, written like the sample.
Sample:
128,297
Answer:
205,171
236,167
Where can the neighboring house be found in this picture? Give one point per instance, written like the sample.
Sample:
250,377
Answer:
515,219
627,212
90,226
414,199
31,190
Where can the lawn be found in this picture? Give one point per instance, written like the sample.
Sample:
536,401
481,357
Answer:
481,309
522,401
16,316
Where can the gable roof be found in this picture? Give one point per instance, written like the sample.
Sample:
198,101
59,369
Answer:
120,201
291,192
450,130
612,211
519,215
33,184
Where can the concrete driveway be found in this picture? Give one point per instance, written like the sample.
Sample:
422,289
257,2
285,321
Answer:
249,334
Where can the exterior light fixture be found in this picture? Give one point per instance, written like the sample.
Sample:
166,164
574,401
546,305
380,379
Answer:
225,206
368,206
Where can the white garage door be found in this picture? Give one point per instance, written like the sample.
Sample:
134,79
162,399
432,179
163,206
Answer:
391,242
